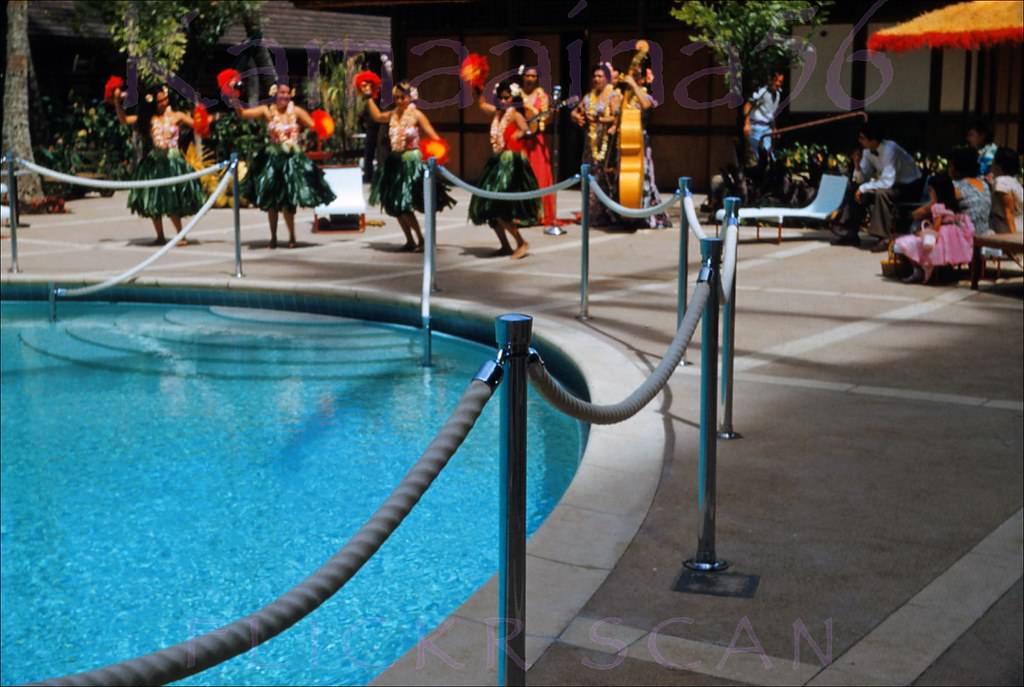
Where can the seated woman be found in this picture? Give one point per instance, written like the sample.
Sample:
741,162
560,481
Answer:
1007,194
947,239
972,191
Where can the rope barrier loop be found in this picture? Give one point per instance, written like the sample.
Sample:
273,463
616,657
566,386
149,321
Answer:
691,217
630,212
729,259
120,185
518,195
575,407
86,290
196,655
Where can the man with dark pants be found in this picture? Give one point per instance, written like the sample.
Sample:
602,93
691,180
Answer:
886,175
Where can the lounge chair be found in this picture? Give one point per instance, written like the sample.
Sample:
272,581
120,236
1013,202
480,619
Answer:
826,201
348,209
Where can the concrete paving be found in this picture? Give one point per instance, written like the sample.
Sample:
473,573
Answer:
876,493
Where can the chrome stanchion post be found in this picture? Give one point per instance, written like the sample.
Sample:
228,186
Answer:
684,256
51,290
12,199
513,332
584,241
728,206
705,559
725,430
429,221
237,213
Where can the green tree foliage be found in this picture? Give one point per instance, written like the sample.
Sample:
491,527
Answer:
157,34
751,38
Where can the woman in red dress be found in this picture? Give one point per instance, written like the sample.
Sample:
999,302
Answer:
536,148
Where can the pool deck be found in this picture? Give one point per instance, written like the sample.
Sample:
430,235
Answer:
875,495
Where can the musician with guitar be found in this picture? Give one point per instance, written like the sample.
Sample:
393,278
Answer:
597,114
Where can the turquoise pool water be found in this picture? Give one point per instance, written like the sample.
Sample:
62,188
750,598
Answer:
168,469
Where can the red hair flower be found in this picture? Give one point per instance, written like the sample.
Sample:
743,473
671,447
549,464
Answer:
474,70
113,83
366,76
437,149
201,120
228,80
323,125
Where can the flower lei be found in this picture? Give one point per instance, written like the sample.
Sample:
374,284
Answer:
598,155
399,126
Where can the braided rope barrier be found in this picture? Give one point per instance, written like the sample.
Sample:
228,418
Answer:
729,259
518,195
571,405
86,290
194,656
121,185
630,212
691,216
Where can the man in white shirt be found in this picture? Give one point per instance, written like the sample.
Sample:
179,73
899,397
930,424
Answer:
885,176
759,117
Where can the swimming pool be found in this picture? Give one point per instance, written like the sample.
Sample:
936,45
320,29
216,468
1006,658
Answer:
167,469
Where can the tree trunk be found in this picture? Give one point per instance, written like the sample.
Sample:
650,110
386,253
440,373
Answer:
257,86
16,118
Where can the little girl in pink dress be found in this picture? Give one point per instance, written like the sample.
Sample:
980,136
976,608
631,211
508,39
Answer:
946,239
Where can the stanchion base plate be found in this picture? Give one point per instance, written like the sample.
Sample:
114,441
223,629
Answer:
717,584
728,436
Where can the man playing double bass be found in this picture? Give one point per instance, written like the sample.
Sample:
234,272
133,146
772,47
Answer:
636,183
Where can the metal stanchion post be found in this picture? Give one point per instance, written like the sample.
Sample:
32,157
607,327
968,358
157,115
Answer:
513,332
584,240
12,198
725,430
237,213
729,204
51,291
684,257
429,222
705,560
555,230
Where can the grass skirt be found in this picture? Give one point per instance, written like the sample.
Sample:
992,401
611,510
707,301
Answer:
398,185
179,200
281,179
506,172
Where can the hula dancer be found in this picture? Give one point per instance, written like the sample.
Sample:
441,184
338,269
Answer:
508,170
158,124
281,178
398,183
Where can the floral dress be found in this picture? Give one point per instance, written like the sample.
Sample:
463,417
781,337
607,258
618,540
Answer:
599,152
164,160
398,183
507,171
282,177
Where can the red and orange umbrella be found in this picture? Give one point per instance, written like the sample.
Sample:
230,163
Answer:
967,25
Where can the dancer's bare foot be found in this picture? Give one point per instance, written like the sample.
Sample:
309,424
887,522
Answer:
183,242
501,252
293,244
418,248
273,243
409,247
158,241
520,252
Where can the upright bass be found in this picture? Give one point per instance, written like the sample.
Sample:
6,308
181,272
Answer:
631,139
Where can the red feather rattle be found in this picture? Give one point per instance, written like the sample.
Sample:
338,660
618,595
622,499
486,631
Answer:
437,149
474,71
